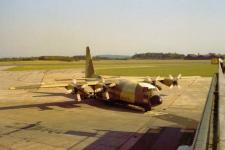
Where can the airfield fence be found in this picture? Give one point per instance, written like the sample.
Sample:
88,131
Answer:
210,132
221,108
201,140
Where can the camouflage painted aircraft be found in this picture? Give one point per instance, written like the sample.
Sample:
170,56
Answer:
143,92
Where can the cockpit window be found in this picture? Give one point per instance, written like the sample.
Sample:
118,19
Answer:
145,89
155,89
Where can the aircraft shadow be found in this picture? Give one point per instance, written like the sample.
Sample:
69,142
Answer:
72,104
97,103
181,121
43,106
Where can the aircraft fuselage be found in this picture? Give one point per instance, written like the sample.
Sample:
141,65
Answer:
137,93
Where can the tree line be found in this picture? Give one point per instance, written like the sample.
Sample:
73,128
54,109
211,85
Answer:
160,56
49,58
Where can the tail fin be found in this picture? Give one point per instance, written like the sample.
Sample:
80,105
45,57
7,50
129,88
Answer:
89,72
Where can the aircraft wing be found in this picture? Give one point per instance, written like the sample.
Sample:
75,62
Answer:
54,85
36,86
169,81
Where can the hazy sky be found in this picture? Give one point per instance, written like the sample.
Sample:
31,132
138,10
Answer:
66,27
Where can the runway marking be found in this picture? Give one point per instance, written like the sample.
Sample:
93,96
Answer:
155,113
174,98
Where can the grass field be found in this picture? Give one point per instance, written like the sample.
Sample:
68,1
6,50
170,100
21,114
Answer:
125,67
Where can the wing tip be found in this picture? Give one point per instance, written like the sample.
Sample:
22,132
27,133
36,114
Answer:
12,88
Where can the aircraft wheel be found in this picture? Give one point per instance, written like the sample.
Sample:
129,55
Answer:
111,103
148,106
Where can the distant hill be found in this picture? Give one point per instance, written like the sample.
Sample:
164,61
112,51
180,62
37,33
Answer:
158,56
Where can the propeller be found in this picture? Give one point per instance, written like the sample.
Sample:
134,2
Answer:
77,97
153,81
74,89
174,81
104,88
105,93
102,79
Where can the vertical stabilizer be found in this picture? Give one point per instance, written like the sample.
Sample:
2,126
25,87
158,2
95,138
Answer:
89,72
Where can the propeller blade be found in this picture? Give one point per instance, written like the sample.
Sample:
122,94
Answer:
171,77
105,95
12,88
175,81
74,82
77,97
98,90
83,86
112,85
69,91
157,89
157,78
102,80
179,76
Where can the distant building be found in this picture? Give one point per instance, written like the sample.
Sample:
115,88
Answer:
215,60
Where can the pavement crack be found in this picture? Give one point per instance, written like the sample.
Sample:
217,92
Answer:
23,128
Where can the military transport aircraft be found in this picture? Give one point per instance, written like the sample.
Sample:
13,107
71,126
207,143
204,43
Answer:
143,92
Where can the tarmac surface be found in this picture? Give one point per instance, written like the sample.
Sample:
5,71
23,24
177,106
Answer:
50,119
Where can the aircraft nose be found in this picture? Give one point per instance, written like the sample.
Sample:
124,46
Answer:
155,100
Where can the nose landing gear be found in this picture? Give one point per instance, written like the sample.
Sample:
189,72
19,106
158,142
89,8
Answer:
155,100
